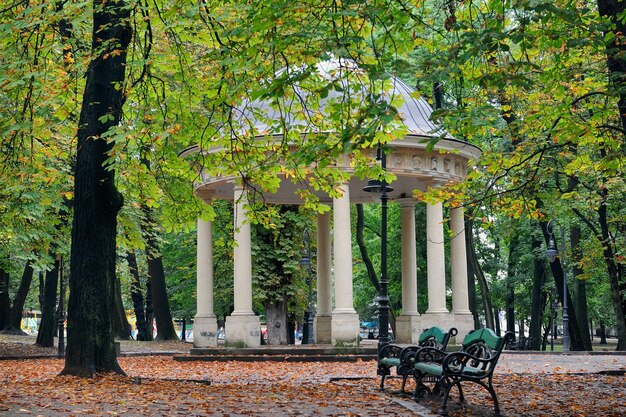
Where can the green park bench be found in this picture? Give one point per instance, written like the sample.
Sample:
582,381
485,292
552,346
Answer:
400,357
475,362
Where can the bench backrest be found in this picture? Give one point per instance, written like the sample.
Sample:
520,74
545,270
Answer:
436,337
484,343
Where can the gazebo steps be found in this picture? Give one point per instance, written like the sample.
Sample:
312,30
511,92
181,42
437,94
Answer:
298,353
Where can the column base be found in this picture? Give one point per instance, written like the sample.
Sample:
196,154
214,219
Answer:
242,331
204,331
323,332
464,322
408,329
345,329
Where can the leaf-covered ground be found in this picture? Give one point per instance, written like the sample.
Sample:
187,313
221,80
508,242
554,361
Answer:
160,386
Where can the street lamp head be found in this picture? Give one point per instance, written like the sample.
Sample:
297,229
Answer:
551,252
305,260
376,186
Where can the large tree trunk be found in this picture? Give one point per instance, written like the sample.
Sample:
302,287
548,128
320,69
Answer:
48,323
5,299
96,199
538,298
121,327
277,329
15,323
137,297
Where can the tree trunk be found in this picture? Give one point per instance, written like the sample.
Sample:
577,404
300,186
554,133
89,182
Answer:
580,290
614,10
120,325
510,285
476,271
15,323
360,240
537,297
5,299
557,273
96,200
160,302
40,298
471,287
137,296
369,266
149,312
276,315
48,323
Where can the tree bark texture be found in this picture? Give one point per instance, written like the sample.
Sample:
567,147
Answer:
48,323
276,316
96,200
15,323
137,297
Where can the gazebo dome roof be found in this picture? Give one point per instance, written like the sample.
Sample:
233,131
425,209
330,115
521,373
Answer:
414,111
409,159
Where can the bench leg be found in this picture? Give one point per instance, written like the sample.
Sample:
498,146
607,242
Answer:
404,378
382,382
420,388
446,386
492,391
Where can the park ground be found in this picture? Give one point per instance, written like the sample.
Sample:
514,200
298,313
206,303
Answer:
530,385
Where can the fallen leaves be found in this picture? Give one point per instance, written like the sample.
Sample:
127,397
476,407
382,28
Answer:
158,385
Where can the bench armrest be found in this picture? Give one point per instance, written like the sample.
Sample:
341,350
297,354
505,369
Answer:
425,354
390,351
457,363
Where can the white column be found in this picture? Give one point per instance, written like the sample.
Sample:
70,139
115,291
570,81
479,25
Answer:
205,322
242,256
342,239
408,323
324,289
345,321
243,327
409,262
435,253
458,264
458,259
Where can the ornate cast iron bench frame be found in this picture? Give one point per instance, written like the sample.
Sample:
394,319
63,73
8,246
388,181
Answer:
475,362
401,357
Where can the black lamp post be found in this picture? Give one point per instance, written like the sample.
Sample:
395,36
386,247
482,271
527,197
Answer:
551,254
307,331
377,186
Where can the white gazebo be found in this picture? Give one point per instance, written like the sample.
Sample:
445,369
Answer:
416,167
